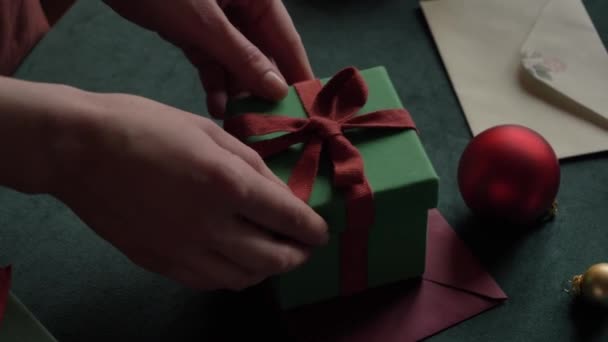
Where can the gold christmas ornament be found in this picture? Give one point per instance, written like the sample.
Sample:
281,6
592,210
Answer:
593,284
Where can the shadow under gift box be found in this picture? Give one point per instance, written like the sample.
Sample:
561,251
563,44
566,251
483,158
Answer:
404,184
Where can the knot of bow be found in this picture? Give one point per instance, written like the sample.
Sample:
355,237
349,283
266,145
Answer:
331,109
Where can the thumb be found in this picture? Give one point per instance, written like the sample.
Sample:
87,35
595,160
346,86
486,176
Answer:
242,59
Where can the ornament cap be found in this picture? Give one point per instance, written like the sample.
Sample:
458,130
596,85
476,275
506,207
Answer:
577,281
551,212
593,284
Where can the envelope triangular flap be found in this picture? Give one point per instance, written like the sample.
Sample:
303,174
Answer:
20,325
480,44
446,257
564,52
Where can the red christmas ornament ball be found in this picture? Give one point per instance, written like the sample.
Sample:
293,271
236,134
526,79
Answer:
510,173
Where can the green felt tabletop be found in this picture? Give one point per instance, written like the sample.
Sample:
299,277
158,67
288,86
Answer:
81,289
20,325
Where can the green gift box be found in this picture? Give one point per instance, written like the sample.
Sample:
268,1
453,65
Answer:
402,179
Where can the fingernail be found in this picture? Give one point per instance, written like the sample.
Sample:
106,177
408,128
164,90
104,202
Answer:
275,87
242,95
216,104
325,238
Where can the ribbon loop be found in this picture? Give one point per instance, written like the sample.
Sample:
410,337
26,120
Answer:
342,96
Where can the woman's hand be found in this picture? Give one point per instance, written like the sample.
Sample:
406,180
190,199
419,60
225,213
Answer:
181,197
173,191
232,42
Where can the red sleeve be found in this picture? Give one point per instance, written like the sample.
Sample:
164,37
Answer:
22,24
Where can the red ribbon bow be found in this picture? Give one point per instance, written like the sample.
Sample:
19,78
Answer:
331,110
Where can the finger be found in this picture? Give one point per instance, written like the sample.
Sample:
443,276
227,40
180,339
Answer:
210,271
239,14
213,78
235,89
236,147
244,191
241,58
273,31
193,280
256,250
274,207
238,91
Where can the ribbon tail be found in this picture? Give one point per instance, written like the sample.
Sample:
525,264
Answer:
304,172
354,240
349,175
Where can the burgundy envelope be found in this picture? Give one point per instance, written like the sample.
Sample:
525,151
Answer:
5,285
454,288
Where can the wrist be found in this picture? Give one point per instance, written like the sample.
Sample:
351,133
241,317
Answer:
43,134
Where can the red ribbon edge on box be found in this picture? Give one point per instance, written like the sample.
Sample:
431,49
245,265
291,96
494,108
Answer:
331,110
5,285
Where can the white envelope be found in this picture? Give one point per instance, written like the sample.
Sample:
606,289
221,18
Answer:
537,63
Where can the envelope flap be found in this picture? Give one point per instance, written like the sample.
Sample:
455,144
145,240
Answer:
445,259
406,311
565,52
